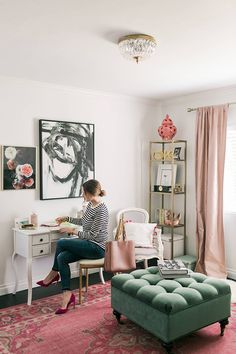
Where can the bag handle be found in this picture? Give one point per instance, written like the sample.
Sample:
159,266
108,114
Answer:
120,231
124,233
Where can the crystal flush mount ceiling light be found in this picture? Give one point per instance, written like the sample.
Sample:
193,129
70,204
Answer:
137,46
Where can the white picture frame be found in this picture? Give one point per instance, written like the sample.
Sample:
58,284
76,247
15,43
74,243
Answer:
21,221
166,175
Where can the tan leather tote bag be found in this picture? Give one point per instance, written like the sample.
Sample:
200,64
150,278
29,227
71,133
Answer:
120,254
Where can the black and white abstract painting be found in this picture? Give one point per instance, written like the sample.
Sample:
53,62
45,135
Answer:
66,158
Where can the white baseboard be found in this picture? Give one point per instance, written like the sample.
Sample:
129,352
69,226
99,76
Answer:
22,285
6,289
231,273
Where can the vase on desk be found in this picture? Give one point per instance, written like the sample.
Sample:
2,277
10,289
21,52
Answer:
34,219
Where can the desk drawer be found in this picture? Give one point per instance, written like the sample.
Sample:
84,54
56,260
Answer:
38,239
55,236
40,250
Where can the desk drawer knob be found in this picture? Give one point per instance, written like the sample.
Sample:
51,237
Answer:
41,240
41,251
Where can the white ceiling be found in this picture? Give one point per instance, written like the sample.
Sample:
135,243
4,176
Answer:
74,43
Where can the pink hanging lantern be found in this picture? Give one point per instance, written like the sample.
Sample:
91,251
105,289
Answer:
167,130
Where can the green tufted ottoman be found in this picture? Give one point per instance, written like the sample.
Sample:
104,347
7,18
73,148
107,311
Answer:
170,309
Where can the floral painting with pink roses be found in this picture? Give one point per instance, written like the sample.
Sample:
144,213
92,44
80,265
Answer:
19,165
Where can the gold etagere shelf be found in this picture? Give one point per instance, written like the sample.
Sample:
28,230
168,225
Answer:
167,180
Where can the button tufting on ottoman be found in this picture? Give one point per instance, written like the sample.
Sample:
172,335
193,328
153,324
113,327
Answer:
170,308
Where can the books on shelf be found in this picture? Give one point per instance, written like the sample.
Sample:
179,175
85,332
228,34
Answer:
161,216
172,269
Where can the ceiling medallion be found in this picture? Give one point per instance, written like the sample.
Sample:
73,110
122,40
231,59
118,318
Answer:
137,46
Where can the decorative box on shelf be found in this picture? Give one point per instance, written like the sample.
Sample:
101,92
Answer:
178,245
189,261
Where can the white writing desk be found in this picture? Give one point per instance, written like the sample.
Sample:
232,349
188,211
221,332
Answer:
33,244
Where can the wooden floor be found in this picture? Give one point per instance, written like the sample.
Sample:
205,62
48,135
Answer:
40,292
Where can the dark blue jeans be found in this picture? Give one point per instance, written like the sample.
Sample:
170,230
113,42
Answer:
72,250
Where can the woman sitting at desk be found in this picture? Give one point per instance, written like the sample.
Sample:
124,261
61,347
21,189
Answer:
89,244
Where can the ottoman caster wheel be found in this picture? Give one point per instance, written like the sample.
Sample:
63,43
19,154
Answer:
118,316
167,347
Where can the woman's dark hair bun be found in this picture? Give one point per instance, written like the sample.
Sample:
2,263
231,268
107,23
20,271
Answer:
93,187
102,193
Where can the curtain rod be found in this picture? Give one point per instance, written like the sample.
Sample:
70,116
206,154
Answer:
194,109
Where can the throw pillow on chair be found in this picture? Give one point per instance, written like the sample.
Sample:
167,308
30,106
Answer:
147,238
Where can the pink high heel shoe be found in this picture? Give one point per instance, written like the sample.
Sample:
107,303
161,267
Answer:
60,311
55,279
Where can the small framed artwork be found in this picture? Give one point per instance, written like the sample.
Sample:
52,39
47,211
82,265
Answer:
18,167
166,175
177,152
66,158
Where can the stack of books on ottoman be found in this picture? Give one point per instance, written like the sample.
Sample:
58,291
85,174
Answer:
170,269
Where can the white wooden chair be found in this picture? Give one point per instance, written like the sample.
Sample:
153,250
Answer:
133,215
138,215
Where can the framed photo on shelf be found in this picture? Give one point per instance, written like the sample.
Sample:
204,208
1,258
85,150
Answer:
18,167
177,152
66,158
166,175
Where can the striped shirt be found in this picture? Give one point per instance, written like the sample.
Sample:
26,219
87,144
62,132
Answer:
94,223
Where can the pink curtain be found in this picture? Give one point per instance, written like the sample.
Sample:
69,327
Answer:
210,158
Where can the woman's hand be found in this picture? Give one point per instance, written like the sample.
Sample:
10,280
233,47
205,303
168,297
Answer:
61,219
67,230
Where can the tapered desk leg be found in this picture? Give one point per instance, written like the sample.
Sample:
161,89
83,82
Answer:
29,274
15,273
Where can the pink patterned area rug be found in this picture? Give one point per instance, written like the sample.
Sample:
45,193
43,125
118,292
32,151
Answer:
92,329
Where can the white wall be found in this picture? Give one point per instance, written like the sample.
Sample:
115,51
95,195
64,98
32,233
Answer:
185,122
123,128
